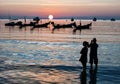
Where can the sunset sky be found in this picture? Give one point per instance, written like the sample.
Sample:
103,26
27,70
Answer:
59,8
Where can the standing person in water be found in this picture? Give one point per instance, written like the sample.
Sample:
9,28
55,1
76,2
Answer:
83,52
93,53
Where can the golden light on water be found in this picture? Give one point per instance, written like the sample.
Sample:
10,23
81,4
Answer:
50,17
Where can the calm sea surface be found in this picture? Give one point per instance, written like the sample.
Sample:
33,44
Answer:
104,31
41,47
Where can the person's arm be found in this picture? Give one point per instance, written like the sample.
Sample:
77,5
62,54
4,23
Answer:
88,45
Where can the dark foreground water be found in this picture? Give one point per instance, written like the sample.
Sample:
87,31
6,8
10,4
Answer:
17,55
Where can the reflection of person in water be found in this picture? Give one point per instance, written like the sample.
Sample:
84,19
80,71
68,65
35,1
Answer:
83,77
83,52
93,52
93,77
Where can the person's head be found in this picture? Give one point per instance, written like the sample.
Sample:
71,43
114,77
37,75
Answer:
94,40
85,43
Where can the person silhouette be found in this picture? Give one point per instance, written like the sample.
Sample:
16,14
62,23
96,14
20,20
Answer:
93,53
83,52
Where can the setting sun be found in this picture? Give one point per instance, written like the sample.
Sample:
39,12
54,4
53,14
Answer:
50,17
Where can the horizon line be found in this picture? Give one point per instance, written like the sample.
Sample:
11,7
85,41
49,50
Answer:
65,17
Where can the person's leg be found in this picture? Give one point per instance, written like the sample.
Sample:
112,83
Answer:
96,62
91,62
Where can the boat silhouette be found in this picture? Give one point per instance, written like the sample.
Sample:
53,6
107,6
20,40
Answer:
82,27
13,23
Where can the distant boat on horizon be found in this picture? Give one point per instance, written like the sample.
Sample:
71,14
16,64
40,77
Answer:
94,19
112,19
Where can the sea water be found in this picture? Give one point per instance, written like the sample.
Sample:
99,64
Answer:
17,52
32,52
43,48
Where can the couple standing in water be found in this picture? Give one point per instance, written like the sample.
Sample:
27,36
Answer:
93,53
